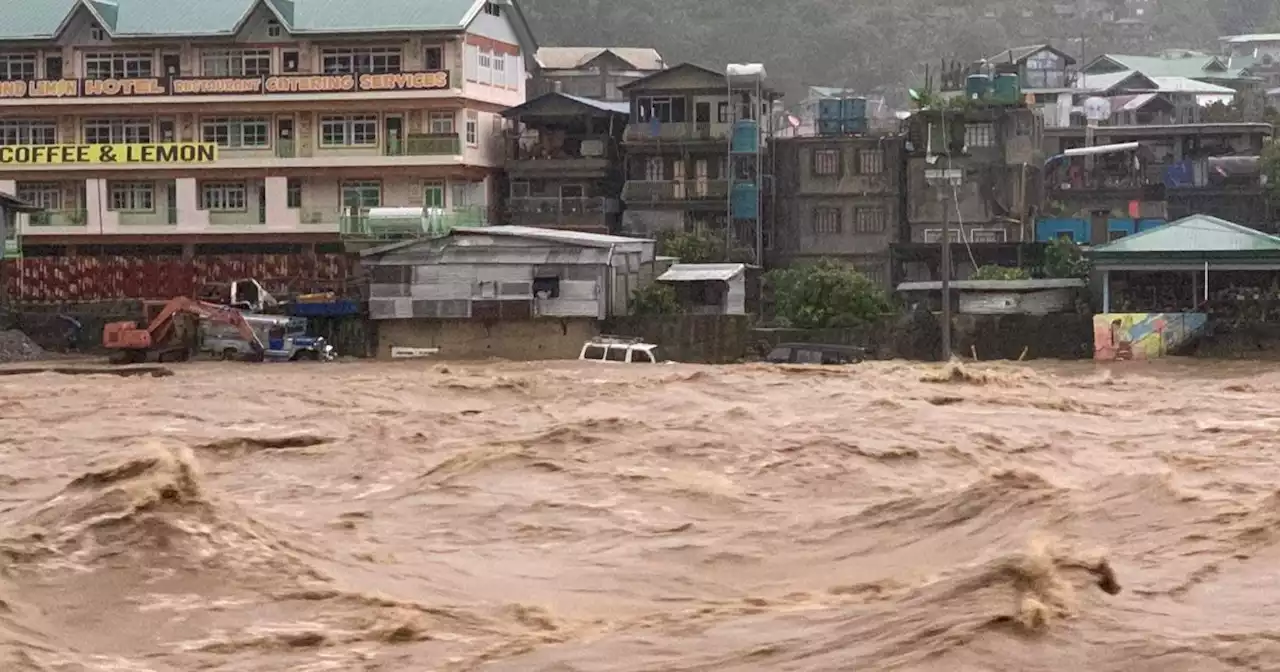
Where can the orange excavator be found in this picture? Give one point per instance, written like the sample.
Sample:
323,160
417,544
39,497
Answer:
168,336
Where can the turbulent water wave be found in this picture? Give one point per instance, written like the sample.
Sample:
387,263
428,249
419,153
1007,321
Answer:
564,517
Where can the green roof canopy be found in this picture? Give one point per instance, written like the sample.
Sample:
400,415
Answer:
1188,244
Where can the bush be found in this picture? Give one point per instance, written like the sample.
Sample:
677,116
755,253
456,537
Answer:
699,247
659,298
1063,259
824,295
993,272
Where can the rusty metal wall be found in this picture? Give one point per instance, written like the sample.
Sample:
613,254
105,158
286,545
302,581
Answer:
90,278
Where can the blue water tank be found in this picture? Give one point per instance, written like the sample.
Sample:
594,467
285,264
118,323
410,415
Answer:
830,127
853,108
746,137
745,200
1148,224
829,108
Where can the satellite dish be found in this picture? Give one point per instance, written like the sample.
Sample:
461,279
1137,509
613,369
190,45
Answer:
1097,108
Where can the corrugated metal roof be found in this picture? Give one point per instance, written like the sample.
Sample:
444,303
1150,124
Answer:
1192,66
554,235
1188,85
699,272
1197,233
569,58
996,285
622,107
530,108
27,19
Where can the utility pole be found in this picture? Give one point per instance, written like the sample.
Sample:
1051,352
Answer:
944,181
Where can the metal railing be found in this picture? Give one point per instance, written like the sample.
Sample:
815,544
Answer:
558,147
684,130
559,206
639,191
426,144
73,217
286,148
358,224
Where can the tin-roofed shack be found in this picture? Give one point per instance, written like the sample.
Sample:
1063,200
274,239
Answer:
1002,297
503,291
709,289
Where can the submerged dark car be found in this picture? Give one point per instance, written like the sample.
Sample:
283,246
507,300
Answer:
815,353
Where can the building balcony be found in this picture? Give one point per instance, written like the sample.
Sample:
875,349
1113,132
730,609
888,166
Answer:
48,219
563,213
686,131
568,156
414,150
283,88
638,192
361,224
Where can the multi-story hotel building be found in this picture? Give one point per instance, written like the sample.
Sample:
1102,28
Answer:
251,123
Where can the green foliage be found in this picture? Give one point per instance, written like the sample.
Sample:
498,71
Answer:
1063,259
658,298
699,247
825,294
993,272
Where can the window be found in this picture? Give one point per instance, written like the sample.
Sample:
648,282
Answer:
461,195
28,132
722,113
133,196
826,220
641,357
655,169
664,110
546,287
473,132
979,135
1112,235
116,131
492,9
46,195
433,58
484,67
870,161
15,67
593,352
118,65
353,131
442,123
293,193
97,33
617,353
826,162
935,236
499,70
869,220
433,195
274,29
360,60
362,194
986,235
223,197
515,73
235,62
236,132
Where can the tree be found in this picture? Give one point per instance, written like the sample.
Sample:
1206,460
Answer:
1270,161
825,294
658,298
1063,259
993,272
699,247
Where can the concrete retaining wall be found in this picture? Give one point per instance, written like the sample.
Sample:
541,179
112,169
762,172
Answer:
707,339
473,339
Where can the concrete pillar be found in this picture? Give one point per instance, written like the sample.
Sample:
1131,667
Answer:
190,216
279,214
1106,291
98,218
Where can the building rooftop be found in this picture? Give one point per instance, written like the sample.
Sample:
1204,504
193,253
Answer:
550,235
570,58
1190,65
45,19
530,108
1197,233
701,272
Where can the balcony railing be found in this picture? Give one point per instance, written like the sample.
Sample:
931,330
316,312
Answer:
427,144
357,223
67,218
286,149
682,130
641,191
558,147
562,212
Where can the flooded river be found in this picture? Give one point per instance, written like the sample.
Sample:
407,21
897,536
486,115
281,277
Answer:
674,518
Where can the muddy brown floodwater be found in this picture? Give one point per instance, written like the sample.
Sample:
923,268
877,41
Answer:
570,517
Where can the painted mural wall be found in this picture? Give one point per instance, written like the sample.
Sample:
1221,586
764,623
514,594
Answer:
1127,336
88,278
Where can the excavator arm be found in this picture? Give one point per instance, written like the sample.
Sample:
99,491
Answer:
209,311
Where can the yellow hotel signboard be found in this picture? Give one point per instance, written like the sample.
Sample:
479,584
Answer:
137,153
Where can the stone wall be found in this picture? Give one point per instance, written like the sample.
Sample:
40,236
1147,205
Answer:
1245,340
474,339
705,339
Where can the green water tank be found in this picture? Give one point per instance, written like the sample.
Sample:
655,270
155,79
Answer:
977,87
1007,90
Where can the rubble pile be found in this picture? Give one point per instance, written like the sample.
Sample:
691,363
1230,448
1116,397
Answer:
15,346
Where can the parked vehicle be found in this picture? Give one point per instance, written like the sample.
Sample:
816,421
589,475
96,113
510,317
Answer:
815,353
619,349
282,337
